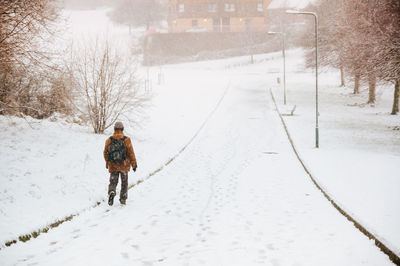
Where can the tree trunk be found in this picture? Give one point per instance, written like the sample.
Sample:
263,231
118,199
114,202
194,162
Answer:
372,86
395,108
356,83
342,84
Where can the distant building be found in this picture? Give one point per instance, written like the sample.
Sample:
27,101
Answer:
217,15
290,4
276,12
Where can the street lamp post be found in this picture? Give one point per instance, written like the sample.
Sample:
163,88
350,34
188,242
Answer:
296,12
282,34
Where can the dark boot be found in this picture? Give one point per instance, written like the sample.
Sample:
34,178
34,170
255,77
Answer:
111,198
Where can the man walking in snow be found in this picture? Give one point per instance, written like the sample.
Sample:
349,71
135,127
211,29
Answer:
119,157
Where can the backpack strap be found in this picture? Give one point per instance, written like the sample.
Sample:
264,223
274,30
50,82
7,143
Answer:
123,138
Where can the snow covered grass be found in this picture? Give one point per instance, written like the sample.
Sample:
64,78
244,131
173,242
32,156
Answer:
236,196
358,162
46,168
51,170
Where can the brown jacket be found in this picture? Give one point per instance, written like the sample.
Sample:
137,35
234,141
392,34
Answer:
130,160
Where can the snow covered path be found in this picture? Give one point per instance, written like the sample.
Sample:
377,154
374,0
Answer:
236,196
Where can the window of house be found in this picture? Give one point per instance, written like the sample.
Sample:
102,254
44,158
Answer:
226,24
181,8
212,7
194,23
216,24
260,7
226,21
229,7
248,24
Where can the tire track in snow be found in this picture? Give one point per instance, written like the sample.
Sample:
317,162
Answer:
393,256
35,234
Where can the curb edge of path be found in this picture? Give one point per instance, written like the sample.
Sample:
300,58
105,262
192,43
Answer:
392,256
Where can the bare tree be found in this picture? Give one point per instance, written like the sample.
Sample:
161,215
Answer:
330,39
363,38
25,66
23,27
374,31
353,42
138,12
387,24
108,82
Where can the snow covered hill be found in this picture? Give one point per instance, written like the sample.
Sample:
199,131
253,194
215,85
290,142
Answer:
227,190
51,170
358,162
235,196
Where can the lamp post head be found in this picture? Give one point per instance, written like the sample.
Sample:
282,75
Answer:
276,33
293,12
297,12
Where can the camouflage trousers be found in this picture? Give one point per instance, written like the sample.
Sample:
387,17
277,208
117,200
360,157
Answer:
114,176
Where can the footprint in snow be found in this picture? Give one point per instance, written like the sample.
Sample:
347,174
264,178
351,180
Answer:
271,247
126,240
261,251
274,262
135,247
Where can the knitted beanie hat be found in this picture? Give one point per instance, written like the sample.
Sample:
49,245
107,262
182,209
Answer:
119,125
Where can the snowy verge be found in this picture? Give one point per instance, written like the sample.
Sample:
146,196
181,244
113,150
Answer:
47,168
358,160
383,245
51,170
